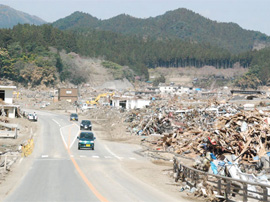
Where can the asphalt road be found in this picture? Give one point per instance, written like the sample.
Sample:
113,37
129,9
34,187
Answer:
61,172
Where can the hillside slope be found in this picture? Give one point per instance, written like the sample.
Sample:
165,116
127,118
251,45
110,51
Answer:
10,17
181,24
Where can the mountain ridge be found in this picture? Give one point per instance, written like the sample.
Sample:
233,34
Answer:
177,24
10,17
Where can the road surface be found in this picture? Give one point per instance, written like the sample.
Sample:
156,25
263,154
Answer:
61,172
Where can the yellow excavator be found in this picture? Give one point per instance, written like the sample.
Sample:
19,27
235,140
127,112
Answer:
95,101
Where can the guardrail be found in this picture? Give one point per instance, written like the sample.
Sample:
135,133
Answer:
6,133
6,163
224,187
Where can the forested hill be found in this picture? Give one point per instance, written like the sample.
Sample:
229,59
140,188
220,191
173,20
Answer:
178,24
25,50
10,17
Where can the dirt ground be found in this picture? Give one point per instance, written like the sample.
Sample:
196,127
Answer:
185,75
26,130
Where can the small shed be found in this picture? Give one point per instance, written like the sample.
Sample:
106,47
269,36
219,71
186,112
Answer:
68,94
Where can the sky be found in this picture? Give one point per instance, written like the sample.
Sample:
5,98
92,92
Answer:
249,14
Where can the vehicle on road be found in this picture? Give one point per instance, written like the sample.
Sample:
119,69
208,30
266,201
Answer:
86,140
86,125
74,117
32,117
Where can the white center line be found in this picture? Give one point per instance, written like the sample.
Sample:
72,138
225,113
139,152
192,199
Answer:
82,156
44,156
132,158
95,157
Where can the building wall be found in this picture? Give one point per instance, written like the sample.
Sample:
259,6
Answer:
166,89
132,104
8,96
10,111
115,103
68,94
137,104
69,99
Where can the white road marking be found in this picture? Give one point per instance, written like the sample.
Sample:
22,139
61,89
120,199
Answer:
71,156
20,161
75,137
97,157
132,158
56,122
67,126
50,159
107,157
44,156
119,158
63,138
82,156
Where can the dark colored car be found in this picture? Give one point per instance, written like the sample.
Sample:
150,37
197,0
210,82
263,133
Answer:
86,140
86,125
74,117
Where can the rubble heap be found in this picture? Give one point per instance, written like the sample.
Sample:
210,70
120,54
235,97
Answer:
219,129
194,132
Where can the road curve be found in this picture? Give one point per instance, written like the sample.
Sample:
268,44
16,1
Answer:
61,172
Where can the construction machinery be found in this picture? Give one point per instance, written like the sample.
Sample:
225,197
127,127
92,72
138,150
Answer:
95,101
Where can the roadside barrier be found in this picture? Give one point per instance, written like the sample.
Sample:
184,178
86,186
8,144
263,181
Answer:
7,160
224,187
28,147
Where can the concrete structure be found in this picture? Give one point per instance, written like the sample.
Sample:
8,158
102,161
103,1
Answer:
130,103
6,96
167,89
249,92
68,94
175,90
183,90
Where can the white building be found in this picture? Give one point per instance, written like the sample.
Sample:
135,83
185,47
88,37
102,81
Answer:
175,90
167,89
183,90
6,106
130,103
6,94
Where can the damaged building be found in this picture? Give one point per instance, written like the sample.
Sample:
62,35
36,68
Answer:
7,109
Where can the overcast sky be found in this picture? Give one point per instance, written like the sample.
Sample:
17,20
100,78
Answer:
249,14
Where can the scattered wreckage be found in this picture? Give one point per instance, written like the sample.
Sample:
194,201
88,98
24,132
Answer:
223,140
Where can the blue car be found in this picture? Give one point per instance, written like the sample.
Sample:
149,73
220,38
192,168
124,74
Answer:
86,125
86,140
73,117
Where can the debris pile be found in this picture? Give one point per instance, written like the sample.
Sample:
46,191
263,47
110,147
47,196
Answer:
196,131
219,129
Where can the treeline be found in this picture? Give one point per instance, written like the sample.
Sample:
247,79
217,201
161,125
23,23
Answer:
31,43
177,24
259,72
